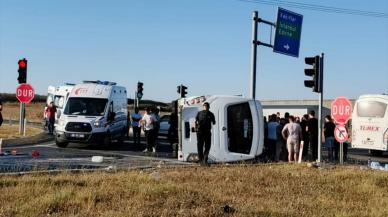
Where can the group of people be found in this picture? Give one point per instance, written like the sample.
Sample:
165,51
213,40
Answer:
150,122
285,136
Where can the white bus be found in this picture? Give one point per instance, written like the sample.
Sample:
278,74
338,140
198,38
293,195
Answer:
370,123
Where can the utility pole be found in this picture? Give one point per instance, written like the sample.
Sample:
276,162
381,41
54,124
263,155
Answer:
320,109
255,17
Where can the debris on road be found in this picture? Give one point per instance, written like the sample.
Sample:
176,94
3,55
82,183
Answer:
97,159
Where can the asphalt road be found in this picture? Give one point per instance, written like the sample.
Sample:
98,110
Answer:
117,156
79,156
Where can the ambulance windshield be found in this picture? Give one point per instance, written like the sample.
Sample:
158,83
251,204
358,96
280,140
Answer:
85,106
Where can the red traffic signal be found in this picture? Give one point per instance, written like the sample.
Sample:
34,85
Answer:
22,78
22,63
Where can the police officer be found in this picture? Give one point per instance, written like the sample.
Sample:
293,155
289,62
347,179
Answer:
203,122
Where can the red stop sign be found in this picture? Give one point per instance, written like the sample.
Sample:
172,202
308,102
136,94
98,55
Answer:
25,93
341,110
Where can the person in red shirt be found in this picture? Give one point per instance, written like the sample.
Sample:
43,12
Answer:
50,114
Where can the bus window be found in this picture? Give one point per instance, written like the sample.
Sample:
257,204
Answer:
371,109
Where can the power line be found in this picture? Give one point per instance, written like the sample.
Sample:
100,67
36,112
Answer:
321,8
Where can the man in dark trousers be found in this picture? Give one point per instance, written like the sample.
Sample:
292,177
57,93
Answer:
203,124
312,130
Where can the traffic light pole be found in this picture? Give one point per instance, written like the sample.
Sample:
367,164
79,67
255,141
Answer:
320,109
254,55
255,43
21,118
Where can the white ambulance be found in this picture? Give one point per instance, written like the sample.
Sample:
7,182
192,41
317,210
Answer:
95,112
237,135
370,123
59,96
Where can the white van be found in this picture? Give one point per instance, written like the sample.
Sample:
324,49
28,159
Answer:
95,112
59,96
370,123
237,135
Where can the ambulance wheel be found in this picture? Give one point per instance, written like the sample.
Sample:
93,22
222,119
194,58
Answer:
61,144
376,153
107,139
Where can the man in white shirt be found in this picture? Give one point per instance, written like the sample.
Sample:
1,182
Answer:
136,130
148,121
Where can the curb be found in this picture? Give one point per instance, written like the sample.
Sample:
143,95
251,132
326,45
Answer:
39,138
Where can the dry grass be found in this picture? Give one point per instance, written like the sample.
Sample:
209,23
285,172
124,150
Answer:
277,190
12,131
34,111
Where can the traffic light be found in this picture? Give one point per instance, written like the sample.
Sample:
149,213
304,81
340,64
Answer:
182,90
139,90
22,78
314,72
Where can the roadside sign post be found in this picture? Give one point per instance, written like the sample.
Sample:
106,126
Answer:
25,93
287,39
341,135
341,111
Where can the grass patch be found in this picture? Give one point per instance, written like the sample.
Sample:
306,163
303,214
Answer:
276,190
12,131
34,111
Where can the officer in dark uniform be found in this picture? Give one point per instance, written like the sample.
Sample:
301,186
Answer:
203,122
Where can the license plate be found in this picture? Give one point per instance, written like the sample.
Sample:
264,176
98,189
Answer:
74,135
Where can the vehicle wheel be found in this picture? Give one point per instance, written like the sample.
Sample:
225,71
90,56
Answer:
376,153
61,144
107,139
120,140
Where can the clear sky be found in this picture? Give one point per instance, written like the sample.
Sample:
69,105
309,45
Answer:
203,44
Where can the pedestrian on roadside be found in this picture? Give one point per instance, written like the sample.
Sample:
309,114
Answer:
328,131
148,122
312,130
286,116
303,125
266,145
292,132
155,112
281,144
1,109
50,113
203,126
272,137
136,130
128,123
173,130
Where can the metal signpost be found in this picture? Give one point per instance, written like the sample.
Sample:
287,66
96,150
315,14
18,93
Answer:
288,32
341,135
24,93
287,39
341,111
